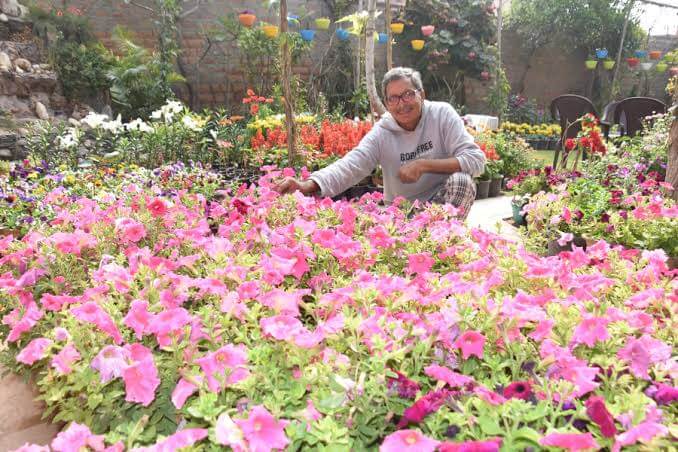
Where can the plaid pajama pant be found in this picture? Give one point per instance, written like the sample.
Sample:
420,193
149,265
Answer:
460,191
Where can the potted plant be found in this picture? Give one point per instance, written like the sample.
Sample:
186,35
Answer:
646,65
591,63
640,54
292,20
247,17
608,64
601,53
322,23
496,178
427,30
397,26
661,67
342,34
307,34
271,31
632,62
483,186
382,38
417,44
655,54
673,71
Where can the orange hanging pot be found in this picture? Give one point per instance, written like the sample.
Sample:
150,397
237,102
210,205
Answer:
247,19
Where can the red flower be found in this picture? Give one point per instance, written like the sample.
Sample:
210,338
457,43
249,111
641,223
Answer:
254,109
570,144
518,390
157,207
597,411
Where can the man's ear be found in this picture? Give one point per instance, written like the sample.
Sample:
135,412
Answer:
423,94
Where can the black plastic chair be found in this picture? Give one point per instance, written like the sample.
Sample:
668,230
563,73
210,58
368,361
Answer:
607,119
567,109
636,109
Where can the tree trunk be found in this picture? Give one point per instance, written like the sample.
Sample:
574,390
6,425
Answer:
286,59
672,168
521,83
375,101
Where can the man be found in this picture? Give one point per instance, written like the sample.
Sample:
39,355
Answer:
424,150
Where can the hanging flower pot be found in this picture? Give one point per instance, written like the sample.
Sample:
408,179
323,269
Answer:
601,54
608,64
641,53
307,35
646,65
397,27
322,23
271,31
632,62
247,18
655,54
292,19
342,34
591,64
661,67
427,30
383,38
417,44
673,71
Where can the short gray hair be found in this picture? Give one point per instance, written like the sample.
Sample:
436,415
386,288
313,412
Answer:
401,73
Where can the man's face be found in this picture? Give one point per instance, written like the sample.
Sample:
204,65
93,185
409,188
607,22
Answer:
405,111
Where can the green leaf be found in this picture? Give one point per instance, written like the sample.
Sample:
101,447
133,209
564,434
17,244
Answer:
489,426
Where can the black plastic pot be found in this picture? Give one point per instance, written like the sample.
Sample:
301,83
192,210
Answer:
495,187
482,189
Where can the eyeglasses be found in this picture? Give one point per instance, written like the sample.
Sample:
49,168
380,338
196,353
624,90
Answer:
407,96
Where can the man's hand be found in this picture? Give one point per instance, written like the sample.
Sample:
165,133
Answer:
411,172
290,185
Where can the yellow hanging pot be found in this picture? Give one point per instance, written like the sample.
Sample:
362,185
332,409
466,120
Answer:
417,44
397,28
271,31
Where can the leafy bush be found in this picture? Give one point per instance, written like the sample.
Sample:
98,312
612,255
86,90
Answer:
82,68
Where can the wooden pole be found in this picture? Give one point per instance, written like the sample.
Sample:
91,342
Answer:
286,59
627,16
500,23
389,47
375,102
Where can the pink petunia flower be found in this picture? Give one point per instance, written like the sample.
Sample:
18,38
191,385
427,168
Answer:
157,207
641,353
422,407
23,324
129,230
138,318
489,445
31,448
570,441
140,377
91,312
183,390
111,361
591,330
179,440
168,323
226,366
62,361
470,343
281,327
34,351
408,441
262,431
75,438
450,377
419,263
228,433
518,390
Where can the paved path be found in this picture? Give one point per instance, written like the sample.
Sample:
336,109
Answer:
488,214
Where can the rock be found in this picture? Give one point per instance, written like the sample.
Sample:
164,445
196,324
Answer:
23,63
5,62
4,18
13,8
41,111
74,122
6,154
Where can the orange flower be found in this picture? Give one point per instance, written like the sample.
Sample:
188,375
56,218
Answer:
250,92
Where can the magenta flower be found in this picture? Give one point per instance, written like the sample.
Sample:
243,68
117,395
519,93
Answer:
226,366
157,207
56,302
281,327
570,441
73,242
179,440
408,441
262,431
406,388
141,377
598,413
129,230
518,390
111,361
430,403
167,323
34,351
19,326
454,379
138,318
662,394
490,445
591,330
92,313
641,353
419,263
183,390
75,438
542,331
645,431
62,361
470,343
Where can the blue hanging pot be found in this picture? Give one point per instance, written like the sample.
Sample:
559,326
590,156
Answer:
342,34
292,20
641,54
307,35
601,54
383,38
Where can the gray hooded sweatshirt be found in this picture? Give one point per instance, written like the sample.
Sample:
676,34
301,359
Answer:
440,134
